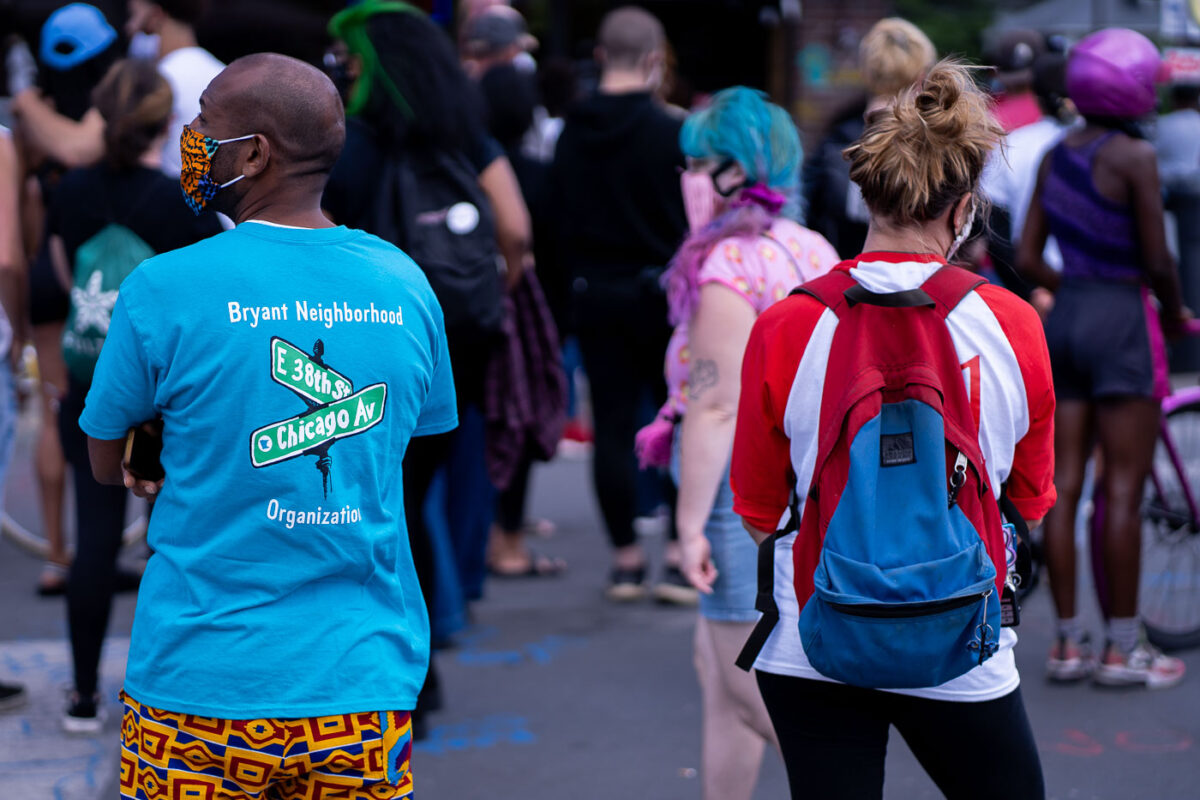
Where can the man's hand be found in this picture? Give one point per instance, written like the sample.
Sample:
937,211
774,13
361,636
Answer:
147,490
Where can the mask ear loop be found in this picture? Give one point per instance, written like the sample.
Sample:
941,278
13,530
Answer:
227,141
723,167
963,233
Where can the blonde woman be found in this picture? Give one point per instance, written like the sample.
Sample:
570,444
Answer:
892,55
918,165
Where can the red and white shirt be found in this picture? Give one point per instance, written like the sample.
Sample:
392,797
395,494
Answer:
1006,368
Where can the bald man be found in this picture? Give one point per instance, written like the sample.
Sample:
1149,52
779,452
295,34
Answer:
613,192
290,362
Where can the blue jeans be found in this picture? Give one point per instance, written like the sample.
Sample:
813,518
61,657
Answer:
733,554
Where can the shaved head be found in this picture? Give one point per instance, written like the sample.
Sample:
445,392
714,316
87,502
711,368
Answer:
291,103
629,34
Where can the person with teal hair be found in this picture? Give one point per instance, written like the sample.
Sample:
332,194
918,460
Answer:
742,255
742,125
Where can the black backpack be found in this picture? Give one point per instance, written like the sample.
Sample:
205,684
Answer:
431,206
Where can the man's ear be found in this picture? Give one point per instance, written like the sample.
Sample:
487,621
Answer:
258,156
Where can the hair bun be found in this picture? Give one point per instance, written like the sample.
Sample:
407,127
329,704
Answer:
928,148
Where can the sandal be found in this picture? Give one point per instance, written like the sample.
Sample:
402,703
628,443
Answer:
537,566
53,580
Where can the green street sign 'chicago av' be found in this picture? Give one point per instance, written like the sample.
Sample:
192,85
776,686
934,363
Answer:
293,368
293,437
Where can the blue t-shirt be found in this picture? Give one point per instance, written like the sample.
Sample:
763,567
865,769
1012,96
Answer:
291,368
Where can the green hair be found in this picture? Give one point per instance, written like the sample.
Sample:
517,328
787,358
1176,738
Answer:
350,25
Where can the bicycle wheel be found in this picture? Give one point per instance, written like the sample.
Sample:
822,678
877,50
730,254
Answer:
1169,597
36,545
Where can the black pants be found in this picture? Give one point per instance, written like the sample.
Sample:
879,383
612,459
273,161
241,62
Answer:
834,739
623,339
510,503
469,355
99,522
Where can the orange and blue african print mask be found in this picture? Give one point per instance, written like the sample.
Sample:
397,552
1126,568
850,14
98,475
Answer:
197,151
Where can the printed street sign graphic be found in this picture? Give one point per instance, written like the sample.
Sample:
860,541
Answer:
296,436
334,410
292,367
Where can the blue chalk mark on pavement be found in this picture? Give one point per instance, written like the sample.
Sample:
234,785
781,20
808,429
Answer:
542,651
487,732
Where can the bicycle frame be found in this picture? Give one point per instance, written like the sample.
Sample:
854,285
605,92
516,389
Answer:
1170,403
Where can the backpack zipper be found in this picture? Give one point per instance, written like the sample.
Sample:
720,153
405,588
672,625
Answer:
925,609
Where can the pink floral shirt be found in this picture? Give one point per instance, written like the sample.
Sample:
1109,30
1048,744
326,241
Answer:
761,269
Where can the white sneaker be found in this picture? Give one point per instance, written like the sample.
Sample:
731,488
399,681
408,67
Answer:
1070,660
84,717
1144,665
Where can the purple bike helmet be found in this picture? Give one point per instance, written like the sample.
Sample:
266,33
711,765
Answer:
1112,73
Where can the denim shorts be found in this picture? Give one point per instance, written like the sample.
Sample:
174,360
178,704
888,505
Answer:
734,554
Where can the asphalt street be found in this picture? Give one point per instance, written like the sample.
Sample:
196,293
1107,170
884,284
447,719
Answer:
555,693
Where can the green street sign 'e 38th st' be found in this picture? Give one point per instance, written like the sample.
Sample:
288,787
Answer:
339,411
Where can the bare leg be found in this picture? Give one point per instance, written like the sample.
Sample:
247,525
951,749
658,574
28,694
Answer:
1128,430
736,726
508,552
49,462
1072,443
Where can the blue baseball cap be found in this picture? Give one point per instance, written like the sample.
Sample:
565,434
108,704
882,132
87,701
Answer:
73,34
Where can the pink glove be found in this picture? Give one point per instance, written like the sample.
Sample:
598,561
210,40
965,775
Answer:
653,443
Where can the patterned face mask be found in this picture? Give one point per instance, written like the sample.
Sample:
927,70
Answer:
197,151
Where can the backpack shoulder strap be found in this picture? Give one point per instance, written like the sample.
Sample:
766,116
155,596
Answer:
829,289
949,286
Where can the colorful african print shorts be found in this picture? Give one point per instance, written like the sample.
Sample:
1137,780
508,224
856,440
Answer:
169,756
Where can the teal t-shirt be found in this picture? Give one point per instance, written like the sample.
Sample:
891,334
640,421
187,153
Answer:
290,367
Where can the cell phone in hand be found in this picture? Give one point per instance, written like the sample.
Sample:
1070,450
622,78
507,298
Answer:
143,451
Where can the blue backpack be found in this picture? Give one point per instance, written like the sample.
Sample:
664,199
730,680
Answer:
900,557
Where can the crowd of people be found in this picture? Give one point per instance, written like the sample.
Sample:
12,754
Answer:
353,334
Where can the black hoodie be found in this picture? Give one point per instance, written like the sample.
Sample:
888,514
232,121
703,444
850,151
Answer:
614,194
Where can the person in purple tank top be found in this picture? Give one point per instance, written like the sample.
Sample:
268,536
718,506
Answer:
1098,195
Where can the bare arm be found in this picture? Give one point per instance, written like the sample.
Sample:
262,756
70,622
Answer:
61,263
1141,169
108,467
514,233
717,336
106,456
12,251
71,143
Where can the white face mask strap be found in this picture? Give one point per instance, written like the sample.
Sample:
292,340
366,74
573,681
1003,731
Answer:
963,232
227,141
237,138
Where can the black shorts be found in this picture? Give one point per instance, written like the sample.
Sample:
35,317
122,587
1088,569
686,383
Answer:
48,301
1105,341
